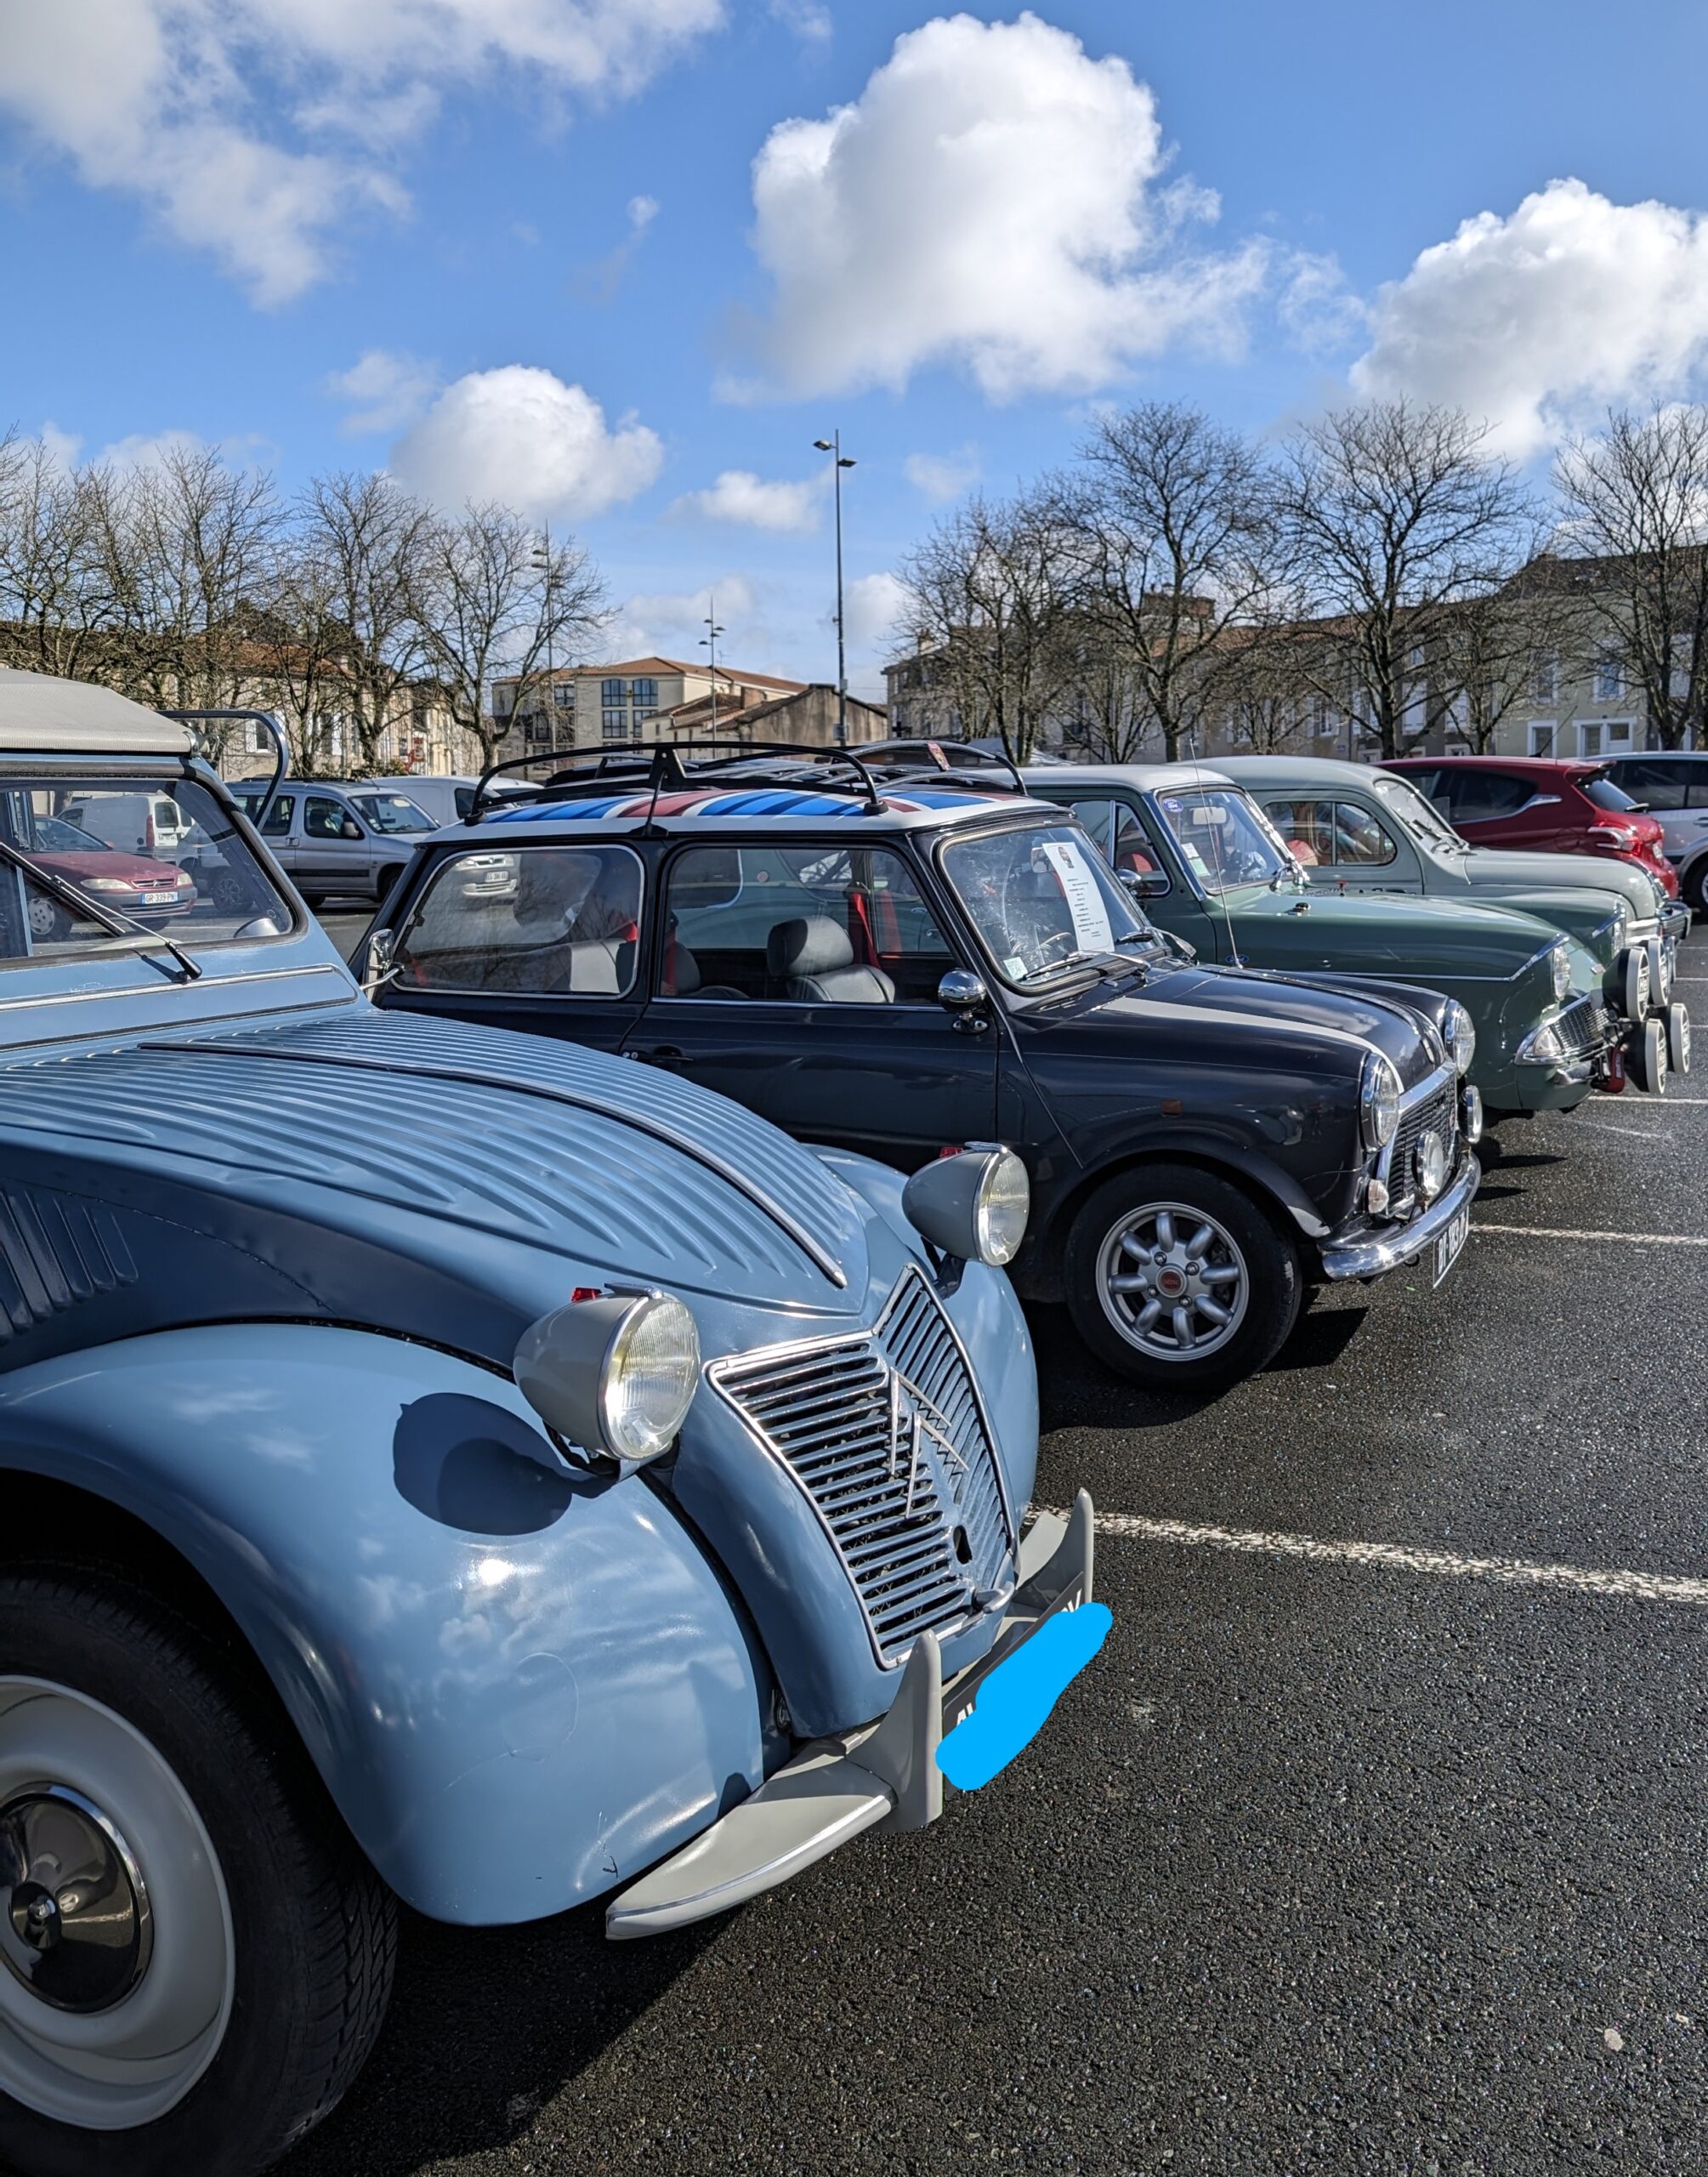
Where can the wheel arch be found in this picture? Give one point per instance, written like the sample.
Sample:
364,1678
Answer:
464,1668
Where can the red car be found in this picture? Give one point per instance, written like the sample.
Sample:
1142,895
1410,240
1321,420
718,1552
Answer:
151,892
1543,805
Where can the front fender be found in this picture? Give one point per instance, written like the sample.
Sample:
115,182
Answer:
521,1686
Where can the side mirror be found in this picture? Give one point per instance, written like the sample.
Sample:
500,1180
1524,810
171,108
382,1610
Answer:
1144,884
381,964
1181,948
964,995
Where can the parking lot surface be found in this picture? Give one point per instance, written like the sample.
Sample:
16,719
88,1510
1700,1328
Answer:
1375,1840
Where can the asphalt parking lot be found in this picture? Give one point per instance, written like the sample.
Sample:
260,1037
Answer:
1375,1840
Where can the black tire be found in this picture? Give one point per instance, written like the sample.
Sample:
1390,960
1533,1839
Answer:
313,1929
313,901
1274,1287
1695,886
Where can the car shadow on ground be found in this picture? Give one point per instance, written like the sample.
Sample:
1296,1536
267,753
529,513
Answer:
564,1994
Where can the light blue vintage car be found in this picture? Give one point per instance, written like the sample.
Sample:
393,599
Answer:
435,1465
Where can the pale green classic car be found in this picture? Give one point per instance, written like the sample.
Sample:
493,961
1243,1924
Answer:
1354,828
1211,868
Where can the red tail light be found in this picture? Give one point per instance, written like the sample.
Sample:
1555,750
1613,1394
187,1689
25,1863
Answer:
1612,835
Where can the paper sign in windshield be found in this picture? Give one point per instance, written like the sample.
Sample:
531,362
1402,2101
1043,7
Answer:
1091,932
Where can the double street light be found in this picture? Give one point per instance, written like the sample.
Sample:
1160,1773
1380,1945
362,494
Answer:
833,446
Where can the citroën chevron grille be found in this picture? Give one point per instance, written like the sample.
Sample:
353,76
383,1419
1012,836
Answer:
884,1433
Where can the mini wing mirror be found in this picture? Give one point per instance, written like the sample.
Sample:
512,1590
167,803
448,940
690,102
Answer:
963,994
1144,884
1181,948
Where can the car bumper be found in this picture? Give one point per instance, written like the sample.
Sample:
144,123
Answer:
1374,1256
884,1776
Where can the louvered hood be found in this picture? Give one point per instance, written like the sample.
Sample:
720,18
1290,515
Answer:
442,1180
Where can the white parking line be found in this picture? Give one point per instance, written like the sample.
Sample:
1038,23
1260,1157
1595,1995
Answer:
1571,1232
1511,1572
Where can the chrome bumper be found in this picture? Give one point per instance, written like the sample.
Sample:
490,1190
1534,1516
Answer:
884,1774
1374,1256
1675,921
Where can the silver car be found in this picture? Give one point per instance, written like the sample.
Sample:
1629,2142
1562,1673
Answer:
1672,786
340,842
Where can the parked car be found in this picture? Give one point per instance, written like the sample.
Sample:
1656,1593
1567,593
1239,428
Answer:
340,842
1541,803
438,1465
1672,786
902,973
137,823
446,800
1213,869
1353,828
155,892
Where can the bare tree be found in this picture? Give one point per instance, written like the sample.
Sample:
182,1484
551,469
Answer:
371,548
1635,502
54,599
1394,517
1499,654
992,590
1177,525
492,603
1265,699
303,647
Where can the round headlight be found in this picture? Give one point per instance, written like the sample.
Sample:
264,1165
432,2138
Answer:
1560,966
1004,1204
1460,1036
649,1376
1378,1101
1431,1165
615,1373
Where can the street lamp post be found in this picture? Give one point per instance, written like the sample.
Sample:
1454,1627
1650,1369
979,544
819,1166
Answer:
541,558
833,446
708,642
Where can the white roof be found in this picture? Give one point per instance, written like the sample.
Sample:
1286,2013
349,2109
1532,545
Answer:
41,714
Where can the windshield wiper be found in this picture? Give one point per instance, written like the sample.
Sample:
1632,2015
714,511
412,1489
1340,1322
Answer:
114,920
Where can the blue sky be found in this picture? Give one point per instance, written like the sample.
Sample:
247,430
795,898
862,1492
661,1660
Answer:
518,209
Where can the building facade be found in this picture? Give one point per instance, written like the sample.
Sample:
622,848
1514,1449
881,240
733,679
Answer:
610,706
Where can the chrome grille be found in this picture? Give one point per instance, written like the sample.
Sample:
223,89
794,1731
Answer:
1582,1026
924,1539
1439,1109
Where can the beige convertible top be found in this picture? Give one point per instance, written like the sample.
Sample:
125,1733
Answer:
41,714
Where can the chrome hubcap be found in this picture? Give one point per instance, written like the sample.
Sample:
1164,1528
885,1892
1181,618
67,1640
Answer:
1173,1282
115,1943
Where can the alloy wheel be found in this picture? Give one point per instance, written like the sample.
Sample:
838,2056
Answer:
1173,1282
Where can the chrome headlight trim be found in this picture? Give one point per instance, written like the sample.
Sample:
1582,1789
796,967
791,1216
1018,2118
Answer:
1378,1100
972,1206
1560,968
1458,1033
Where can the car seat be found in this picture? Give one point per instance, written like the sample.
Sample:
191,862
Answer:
810,958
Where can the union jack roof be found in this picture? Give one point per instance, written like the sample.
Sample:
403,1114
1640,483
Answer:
915,808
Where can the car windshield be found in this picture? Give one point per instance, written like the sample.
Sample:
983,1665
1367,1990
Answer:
393,812
1606,795
160,855
1222,839
1042,898
1418,816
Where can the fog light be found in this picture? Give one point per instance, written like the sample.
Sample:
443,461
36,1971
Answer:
1375,1198
1471,1113
1430,1165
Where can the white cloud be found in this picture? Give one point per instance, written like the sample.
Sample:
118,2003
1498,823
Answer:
642,212
993,199
809,20
258,130
943,476
390,390
1536,321
874,607
521,436
740,497
672,623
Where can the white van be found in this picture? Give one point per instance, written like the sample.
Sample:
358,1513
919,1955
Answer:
134,823
446,801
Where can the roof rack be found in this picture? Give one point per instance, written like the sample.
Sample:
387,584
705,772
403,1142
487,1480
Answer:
924,761
670,767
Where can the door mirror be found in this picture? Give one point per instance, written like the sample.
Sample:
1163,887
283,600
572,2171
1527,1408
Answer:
1144,884
963,994
381,964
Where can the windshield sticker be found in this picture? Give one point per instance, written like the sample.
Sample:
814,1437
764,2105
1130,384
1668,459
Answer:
1014,968
1091,931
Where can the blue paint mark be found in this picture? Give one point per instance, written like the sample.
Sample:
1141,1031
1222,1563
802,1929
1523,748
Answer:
1013,1704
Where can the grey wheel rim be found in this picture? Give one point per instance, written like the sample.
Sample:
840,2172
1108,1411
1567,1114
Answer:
1173,1282
44,916
116,1957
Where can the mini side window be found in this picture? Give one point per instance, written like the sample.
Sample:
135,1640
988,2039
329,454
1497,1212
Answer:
561,922
800,925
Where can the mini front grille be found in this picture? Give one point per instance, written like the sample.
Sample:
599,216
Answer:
884,1433
1439,1110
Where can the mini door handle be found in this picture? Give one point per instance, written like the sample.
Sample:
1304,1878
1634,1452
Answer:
659,1054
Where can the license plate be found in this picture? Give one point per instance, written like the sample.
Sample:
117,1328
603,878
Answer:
1451,1245
160,899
